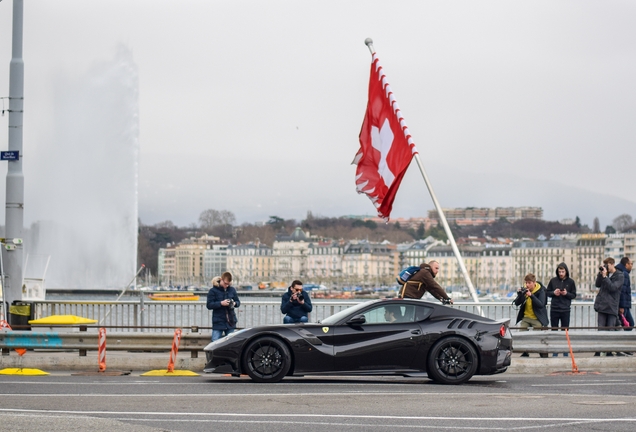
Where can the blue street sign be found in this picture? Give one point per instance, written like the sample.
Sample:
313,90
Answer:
10,155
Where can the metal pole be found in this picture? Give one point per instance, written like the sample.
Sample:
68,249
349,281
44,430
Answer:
14,215
4,298
449,234
442,218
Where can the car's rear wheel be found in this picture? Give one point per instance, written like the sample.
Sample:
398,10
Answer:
267,360
452,360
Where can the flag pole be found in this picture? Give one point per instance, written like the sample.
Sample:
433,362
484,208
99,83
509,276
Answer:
369,43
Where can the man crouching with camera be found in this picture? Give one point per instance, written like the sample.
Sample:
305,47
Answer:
222,299
532,299
295,304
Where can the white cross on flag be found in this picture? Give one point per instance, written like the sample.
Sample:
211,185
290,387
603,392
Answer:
386,147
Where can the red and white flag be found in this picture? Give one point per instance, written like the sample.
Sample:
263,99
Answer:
386,147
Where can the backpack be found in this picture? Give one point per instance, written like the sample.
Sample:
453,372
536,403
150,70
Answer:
406,274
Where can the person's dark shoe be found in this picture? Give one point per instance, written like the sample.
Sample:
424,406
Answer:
609,354
620,354
628,353
525,354
555,354
543,355
566,355
597,354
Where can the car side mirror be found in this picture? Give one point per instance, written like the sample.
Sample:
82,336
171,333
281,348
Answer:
357,320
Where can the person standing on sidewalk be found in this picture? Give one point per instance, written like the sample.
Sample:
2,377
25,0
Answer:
222,300
532,299
609,281
625,302
562,290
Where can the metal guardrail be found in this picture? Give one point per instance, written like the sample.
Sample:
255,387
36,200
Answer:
88,341
528,341
582,341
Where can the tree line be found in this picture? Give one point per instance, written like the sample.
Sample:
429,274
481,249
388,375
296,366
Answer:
222,224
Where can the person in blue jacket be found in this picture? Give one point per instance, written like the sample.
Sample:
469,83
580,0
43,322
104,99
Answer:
625,301
222,300
295,304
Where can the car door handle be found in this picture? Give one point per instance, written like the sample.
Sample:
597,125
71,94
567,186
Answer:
416,332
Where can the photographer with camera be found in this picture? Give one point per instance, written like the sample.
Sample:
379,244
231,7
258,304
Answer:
295,304
222,300
609,281
532,299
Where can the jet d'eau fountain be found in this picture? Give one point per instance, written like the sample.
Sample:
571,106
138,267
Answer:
81,181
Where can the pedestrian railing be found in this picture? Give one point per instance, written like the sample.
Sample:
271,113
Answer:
252,313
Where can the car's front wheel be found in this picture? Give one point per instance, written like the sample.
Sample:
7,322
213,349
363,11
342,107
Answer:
452,360
267,360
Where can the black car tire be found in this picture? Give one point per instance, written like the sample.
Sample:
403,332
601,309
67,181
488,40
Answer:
267,360
452,360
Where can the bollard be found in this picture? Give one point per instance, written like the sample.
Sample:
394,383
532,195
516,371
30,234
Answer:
101,349
173,357
174,350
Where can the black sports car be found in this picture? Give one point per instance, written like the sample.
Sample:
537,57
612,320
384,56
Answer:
383,337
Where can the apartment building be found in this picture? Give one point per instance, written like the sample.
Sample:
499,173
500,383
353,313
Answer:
324,261
250,263
370,264
214,261
450,275
590,253
167,267
541,258
484,215
290,256
496,269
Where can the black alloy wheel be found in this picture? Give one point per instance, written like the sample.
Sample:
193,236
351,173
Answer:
267,360
452,360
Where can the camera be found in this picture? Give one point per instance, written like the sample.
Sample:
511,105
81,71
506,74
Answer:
446,301
522,291
231,303
299,297
600,268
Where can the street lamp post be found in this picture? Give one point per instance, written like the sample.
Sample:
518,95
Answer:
14,213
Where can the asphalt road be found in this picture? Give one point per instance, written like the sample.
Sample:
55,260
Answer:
60,402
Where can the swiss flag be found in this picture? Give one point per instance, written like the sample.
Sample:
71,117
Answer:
386,147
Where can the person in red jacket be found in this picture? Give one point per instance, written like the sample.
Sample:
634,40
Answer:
422,281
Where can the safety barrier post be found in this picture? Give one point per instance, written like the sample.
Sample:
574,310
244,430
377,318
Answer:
101,349
174,350
173,357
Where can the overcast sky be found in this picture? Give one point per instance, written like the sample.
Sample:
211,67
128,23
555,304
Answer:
256,106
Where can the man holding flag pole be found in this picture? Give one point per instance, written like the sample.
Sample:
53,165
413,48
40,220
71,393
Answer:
386,150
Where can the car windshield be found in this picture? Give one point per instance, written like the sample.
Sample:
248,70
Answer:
335,318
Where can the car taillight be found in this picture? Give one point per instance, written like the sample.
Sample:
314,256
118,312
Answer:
502,330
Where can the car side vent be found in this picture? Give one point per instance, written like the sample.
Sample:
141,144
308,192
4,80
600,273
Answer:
453,323
472,323
463,323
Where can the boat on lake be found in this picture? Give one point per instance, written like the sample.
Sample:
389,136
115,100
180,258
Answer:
173,297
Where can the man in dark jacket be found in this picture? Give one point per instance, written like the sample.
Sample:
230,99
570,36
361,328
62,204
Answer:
562,290
532,299
222,300
625,302
422,281
295,304
610,283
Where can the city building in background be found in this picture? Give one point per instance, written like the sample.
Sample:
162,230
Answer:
484,215
368,264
